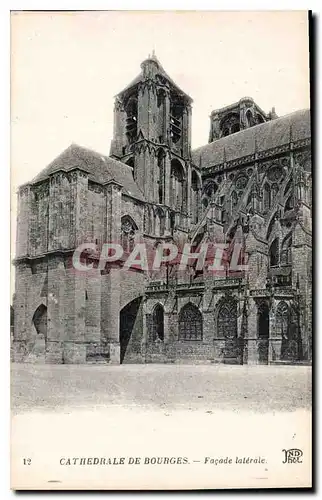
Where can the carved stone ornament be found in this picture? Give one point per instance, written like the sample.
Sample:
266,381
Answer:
241,182
274,173
127,227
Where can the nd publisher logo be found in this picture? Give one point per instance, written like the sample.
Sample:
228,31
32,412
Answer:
292,456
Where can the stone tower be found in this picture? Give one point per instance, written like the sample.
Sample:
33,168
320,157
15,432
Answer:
238,116
152,129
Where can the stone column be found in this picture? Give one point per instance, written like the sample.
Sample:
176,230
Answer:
185,133
219,343
144,110
93,306
167,184
208,313
144,339
208,330
275,339
151,180
119,139
23,222
22,329
56,311
110,311
252,342
189,132
110,279
167,224
166,121
188,187
81,205
167,325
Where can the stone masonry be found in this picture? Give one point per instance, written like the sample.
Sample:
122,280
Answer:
251,184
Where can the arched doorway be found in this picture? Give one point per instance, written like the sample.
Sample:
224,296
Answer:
131,327
157,324
263,332
287,325
39,320
227,331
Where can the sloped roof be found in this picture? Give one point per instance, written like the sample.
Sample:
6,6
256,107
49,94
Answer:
162,72
278,132
100,168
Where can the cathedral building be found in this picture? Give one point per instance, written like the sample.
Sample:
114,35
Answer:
250,184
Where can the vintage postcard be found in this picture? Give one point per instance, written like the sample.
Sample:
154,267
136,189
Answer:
161,313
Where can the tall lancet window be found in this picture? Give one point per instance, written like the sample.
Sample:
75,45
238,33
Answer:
274,257
195,196
190,323
128,230
160,176
131,110
177,184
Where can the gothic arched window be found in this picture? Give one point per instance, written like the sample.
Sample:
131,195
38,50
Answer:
157,324
40,320
286,253
190,323
128,229
177,184
274,253
309,191
234,200
287,328
250,118
282,319
210,189
131,110
227,319
159,221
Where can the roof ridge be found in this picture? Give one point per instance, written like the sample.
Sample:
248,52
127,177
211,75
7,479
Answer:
255,127
266,136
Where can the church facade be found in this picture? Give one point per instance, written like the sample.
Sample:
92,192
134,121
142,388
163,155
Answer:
250,184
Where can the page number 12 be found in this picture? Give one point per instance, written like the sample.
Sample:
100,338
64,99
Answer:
27,461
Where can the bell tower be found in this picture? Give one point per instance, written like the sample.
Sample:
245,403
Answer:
152,134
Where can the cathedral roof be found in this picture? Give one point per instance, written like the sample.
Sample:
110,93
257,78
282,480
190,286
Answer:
100,169
289,128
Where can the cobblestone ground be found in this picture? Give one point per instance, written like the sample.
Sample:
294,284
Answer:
188,387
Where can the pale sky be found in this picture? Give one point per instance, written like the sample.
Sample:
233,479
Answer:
66,68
